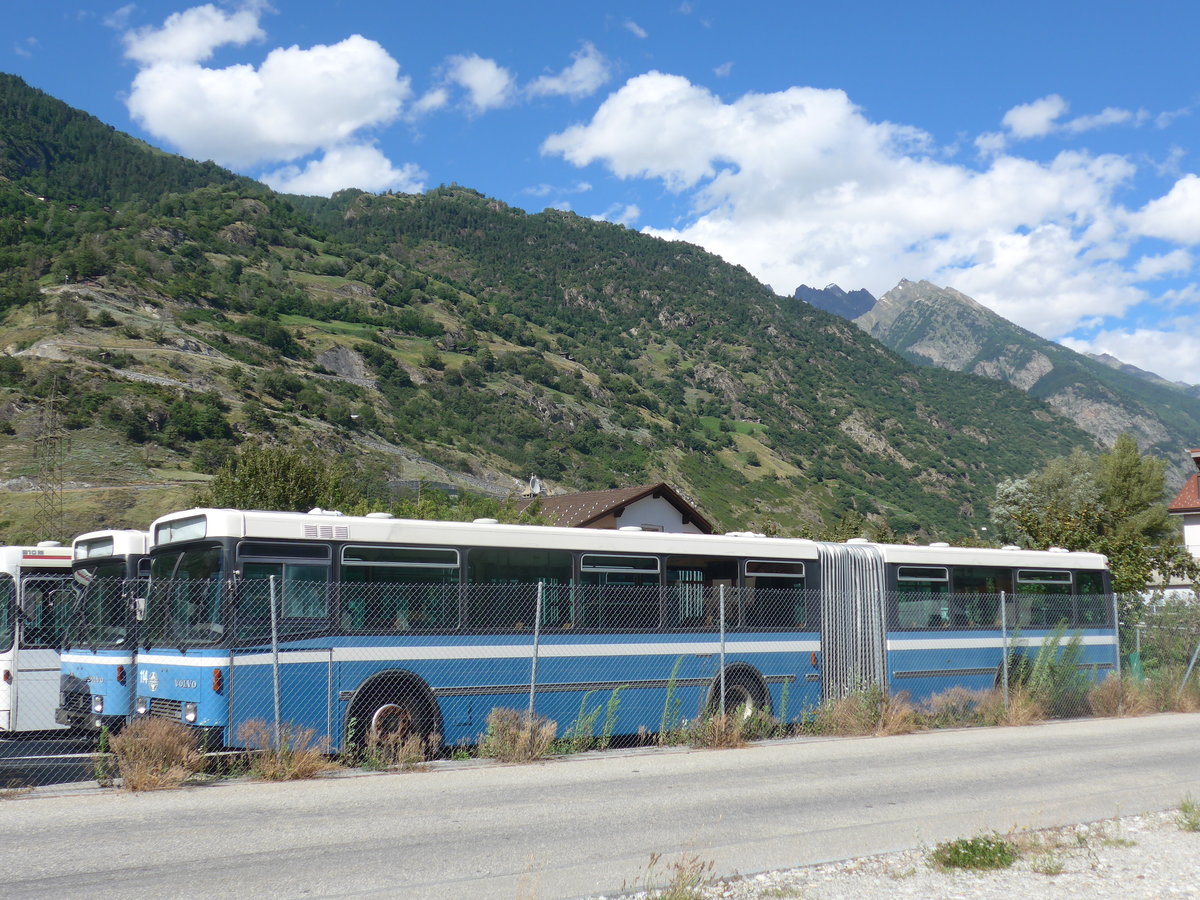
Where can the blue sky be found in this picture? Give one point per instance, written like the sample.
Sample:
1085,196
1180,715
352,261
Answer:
1041,157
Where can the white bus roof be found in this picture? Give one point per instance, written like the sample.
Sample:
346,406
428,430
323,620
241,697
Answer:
375,529
381,528
1013,557
110,543
47,554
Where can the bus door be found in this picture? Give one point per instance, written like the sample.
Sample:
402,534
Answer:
44,604
302,594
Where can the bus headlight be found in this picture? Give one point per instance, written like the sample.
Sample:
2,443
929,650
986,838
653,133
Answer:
142,706
97,704
189,713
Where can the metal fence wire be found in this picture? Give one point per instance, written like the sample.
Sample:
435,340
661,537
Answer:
624,656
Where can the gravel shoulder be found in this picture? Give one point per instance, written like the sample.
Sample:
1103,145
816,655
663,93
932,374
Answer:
1148,856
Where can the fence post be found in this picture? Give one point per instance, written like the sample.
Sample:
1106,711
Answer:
537,639
275,662
1191,666
1004,644
722,604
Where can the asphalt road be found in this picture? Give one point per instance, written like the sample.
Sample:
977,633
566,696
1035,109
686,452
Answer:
588,825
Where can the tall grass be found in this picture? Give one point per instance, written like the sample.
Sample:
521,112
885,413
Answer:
514,736
668,725
155,754
297,754
867,711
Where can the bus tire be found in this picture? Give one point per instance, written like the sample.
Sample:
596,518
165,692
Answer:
745,689
393,706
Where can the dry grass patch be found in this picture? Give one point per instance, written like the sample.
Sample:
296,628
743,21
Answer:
1117,696
869,711
954,708
155,755
720,731
1022,708
514,736
399,751
298,754
684,878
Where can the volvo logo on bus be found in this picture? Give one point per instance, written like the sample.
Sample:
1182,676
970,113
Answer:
186,683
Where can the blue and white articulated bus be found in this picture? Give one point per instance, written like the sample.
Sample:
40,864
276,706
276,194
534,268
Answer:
111,571
35,599
357,625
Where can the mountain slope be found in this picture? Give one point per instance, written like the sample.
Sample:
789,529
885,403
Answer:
831,298
945,328
452,338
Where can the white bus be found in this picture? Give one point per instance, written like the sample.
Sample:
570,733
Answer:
356,625
35,600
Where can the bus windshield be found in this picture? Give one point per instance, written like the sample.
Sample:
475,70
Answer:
183,608
103,614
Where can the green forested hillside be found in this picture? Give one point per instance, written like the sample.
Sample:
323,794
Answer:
450,337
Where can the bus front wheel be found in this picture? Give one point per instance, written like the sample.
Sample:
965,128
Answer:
390,712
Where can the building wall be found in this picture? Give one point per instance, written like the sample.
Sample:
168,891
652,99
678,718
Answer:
1191,532
651,514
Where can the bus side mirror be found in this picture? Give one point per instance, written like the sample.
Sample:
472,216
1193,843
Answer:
139,608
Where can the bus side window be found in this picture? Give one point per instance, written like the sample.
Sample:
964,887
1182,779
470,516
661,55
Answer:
46,607
1092,604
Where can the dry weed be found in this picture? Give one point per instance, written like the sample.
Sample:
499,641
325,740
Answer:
513,736
1022,708
155,754
954,708
854,714
869,711
897,715
1162,687
400,751
1117,696
298,753
720,731
685,878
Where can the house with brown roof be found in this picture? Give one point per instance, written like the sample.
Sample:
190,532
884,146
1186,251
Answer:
1186,505
652,507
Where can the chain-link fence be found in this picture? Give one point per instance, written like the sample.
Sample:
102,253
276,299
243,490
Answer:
624,659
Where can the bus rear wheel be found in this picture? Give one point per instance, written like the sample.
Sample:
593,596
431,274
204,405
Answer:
744,691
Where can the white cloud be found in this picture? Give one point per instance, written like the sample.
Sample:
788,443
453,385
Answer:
297,102
1173,263
1109,116
800,187
26,47
619,214
583,77
361,166
1175,216
1035,119
191,36
635,29
1045,116
488,84
1172,353
545,190
723,70
431,101
119,19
